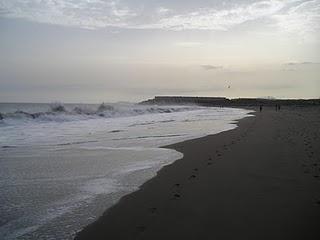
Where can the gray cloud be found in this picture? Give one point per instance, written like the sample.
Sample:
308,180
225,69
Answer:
300,63
211,67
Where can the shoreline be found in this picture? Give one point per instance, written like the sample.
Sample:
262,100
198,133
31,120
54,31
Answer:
111,173
220,190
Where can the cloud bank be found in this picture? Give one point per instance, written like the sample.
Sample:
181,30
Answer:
288,15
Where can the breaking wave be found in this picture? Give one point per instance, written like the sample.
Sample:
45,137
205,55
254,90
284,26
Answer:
70,112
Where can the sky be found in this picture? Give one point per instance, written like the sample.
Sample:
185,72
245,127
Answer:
90,51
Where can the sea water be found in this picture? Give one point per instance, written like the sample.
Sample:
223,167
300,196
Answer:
62,166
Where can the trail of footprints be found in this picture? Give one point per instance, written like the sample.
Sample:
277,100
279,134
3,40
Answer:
176,195
210,161
310,167
176,192
311,164
309,136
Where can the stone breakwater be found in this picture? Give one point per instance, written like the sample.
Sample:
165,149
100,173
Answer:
223,101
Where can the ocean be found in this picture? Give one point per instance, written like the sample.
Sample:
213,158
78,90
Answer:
63,165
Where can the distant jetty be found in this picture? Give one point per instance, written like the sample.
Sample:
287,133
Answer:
223,101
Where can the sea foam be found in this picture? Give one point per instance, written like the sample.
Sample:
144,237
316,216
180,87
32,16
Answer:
60,170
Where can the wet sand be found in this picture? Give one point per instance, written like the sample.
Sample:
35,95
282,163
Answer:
259,181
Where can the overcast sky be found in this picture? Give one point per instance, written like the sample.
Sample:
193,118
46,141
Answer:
129,50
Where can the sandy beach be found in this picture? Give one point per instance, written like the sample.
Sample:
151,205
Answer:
259,181
126,120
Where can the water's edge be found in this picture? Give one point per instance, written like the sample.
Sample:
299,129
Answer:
173,147
63,220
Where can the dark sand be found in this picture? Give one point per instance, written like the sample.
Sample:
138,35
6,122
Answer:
259,181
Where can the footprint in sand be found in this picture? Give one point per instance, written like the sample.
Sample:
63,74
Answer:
192,177
176,191
176,196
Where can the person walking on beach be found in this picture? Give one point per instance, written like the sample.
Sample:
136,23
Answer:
260,108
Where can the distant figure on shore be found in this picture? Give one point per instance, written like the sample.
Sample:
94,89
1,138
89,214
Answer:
279,107
260,108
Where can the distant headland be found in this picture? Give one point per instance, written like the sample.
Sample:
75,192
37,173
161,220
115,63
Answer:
223,101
